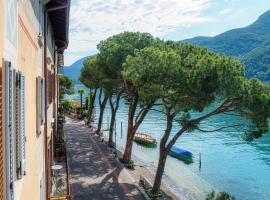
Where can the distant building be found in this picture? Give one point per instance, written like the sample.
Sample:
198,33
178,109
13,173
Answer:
33,37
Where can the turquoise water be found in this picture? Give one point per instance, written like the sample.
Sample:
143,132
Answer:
228,162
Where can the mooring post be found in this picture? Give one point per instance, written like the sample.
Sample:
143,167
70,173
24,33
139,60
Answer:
121,129
200,161
115,152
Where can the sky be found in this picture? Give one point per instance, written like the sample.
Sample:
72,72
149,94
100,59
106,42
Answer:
94,20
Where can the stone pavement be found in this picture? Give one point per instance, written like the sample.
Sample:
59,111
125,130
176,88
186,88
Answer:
93,171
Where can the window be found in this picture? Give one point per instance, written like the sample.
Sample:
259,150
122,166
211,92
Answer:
14,123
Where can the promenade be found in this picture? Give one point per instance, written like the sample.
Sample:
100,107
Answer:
93,171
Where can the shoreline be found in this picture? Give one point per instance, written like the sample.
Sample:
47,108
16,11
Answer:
147,170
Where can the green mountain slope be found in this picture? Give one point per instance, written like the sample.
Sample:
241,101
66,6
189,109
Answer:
250,44
257,63
73,71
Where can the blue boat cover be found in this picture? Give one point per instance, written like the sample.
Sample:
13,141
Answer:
181,152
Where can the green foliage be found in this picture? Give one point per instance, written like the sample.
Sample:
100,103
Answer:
68,105
153,196
115,49
188,78
148,69
66,86
91,75
220,196
113,53
81,91
83,114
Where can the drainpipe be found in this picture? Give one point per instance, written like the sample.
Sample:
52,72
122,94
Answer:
47,171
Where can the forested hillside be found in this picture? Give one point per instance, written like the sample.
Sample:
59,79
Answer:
250,44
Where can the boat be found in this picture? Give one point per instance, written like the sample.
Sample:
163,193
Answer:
181,154
145,140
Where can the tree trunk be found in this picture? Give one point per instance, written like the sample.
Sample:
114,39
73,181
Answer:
163,153
92,105
110,142
129,143
114,111
131,131
100,119
132,128
102,107
160,171
87,103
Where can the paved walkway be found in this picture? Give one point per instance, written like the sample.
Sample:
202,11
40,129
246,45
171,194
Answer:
94,172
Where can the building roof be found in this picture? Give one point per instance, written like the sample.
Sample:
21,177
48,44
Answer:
58,12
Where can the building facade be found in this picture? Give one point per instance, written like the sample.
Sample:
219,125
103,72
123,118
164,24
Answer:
33,36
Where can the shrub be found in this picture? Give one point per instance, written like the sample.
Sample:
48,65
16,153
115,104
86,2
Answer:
83,114
220,196
68,105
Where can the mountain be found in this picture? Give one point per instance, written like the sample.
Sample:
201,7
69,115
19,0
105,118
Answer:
73,71
250,44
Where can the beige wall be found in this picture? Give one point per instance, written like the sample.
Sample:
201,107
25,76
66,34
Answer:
27,56
28,62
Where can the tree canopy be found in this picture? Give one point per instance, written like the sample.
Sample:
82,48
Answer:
66,86
185,79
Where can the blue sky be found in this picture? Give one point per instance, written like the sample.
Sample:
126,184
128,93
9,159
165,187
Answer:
94,20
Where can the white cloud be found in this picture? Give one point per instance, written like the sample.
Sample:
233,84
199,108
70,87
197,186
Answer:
212,34
225,11
95,20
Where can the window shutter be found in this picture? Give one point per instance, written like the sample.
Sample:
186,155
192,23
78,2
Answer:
21,127
9,119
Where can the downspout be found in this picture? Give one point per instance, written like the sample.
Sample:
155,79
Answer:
47,10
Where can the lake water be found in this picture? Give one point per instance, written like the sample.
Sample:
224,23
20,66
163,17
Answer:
228,162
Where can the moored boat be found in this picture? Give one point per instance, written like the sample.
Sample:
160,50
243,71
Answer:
181,154
145,140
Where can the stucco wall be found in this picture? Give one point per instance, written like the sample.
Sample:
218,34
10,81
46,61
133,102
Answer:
21,47
29,62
